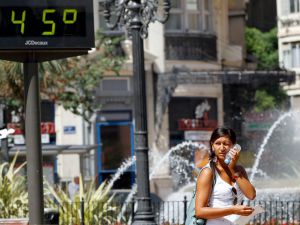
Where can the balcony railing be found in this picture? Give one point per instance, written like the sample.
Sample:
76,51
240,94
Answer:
191,47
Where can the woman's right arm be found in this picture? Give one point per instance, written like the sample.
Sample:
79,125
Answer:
204,188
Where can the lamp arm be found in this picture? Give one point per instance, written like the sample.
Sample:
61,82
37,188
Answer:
128,10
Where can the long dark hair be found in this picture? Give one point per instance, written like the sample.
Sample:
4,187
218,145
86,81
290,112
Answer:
221,132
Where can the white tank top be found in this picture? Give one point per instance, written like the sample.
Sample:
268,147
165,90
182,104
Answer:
221,197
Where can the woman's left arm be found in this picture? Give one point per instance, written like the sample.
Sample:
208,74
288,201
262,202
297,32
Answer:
241,177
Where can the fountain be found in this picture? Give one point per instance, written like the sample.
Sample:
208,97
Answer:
279,161
190,146
265,179
269,185
265,141
280,183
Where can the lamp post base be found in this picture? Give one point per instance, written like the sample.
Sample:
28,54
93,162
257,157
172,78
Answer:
144,218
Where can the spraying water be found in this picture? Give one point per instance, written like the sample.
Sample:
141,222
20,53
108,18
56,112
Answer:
184,145
265,141
124,166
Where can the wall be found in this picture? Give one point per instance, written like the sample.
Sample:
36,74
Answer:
68,165
289,32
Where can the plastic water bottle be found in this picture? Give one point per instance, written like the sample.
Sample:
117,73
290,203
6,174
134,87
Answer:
237,148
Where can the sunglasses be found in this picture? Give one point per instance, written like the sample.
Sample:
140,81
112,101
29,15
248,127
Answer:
234,192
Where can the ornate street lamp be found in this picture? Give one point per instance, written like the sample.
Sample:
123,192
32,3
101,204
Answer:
136,15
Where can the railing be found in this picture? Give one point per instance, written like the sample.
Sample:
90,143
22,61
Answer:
170,212
277,212
182,46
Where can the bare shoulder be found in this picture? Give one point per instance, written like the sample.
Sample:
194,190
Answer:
205,175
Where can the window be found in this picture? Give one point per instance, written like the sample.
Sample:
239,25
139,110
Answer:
190,16
286,59
290,6
291,55
296,55
116,85
294,6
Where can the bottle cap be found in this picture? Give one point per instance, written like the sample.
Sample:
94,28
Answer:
237,147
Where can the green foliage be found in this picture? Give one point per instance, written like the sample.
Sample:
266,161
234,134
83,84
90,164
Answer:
70,82
98,205
264,46
11,83
264,101
270,97
13,193
75,85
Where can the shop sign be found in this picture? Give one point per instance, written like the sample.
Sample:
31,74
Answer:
18,139
69,130
46,128
257,126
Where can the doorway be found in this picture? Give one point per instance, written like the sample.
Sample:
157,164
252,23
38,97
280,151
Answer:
116,144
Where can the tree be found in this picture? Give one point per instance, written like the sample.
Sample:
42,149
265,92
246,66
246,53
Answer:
70,82
264,46
73,87
11,84
270,97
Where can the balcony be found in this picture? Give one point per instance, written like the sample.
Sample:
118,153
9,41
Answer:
196,124
191,47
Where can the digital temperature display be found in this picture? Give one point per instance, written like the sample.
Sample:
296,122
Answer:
42,24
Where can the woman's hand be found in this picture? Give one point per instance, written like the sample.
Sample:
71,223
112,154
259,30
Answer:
242,210
234,158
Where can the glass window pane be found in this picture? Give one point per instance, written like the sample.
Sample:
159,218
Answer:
292,6
286,59
174,22
207,26
192,5
295,55
285,7
193,22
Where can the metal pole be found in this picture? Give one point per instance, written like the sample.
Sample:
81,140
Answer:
184,207
82,211
144,214
4,149
33,141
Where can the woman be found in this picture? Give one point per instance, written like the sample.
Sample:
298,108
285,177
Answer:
221,188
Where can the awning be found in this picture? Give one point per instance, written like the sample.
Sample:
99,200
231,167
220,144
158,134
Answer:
177,77
55,149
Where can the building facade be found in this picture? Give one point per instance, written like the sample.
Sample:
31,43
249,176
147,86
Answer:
289,44
193,65
184,58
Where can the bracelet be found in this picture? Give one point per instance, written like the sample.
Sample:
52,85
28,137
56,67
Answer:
236,176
